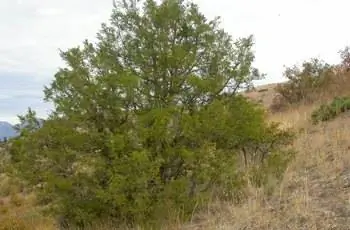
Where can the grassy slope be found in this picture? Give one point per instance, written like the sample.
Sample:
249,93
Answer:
315,193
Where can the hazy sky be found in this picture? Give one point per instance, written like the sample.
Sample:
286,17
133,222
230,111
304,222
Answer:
32,31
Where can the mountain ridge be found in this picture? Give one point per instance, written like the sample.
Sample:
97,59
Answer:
8,130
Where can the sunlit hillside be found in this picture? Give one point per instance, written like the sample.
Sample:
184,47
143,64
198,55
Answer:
156,125
315,192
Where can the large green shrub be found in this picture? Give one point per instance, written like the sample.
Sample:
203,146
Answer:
141,124
329,111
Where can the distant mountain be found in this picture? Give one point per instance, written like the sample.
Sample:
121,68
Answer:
7,130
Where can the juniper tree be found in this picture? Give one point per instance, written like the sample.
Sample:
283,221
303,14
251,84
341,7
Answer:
147,117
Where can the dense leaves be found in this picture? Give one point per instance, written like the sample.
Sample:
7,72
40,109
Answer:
148,119
331,110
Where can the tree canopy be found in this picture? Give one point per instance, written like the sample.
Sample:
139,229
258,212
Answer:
148,118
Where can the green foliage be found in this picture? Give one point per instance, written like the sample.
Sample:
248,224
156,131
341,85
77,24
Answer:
304,82
268,156
28,123
148,119
327,112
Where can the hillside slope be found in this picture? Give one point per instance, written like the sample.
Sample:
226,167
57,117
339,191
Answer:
315,192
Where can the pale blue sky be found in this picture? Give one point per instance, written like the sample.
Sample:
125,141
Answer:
32,31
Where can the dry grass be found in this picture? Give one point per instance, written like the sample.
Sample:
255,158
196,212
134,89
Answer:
17,212
315,191
314,194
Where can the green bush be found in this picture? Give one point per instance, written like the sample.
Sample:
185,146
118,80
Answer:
314,78
142,124
329,111
304,83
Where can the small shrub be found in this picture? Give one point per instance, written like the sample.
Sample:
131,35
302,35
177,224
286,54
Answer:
345,58
17,200
329,111
304,83
278,104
